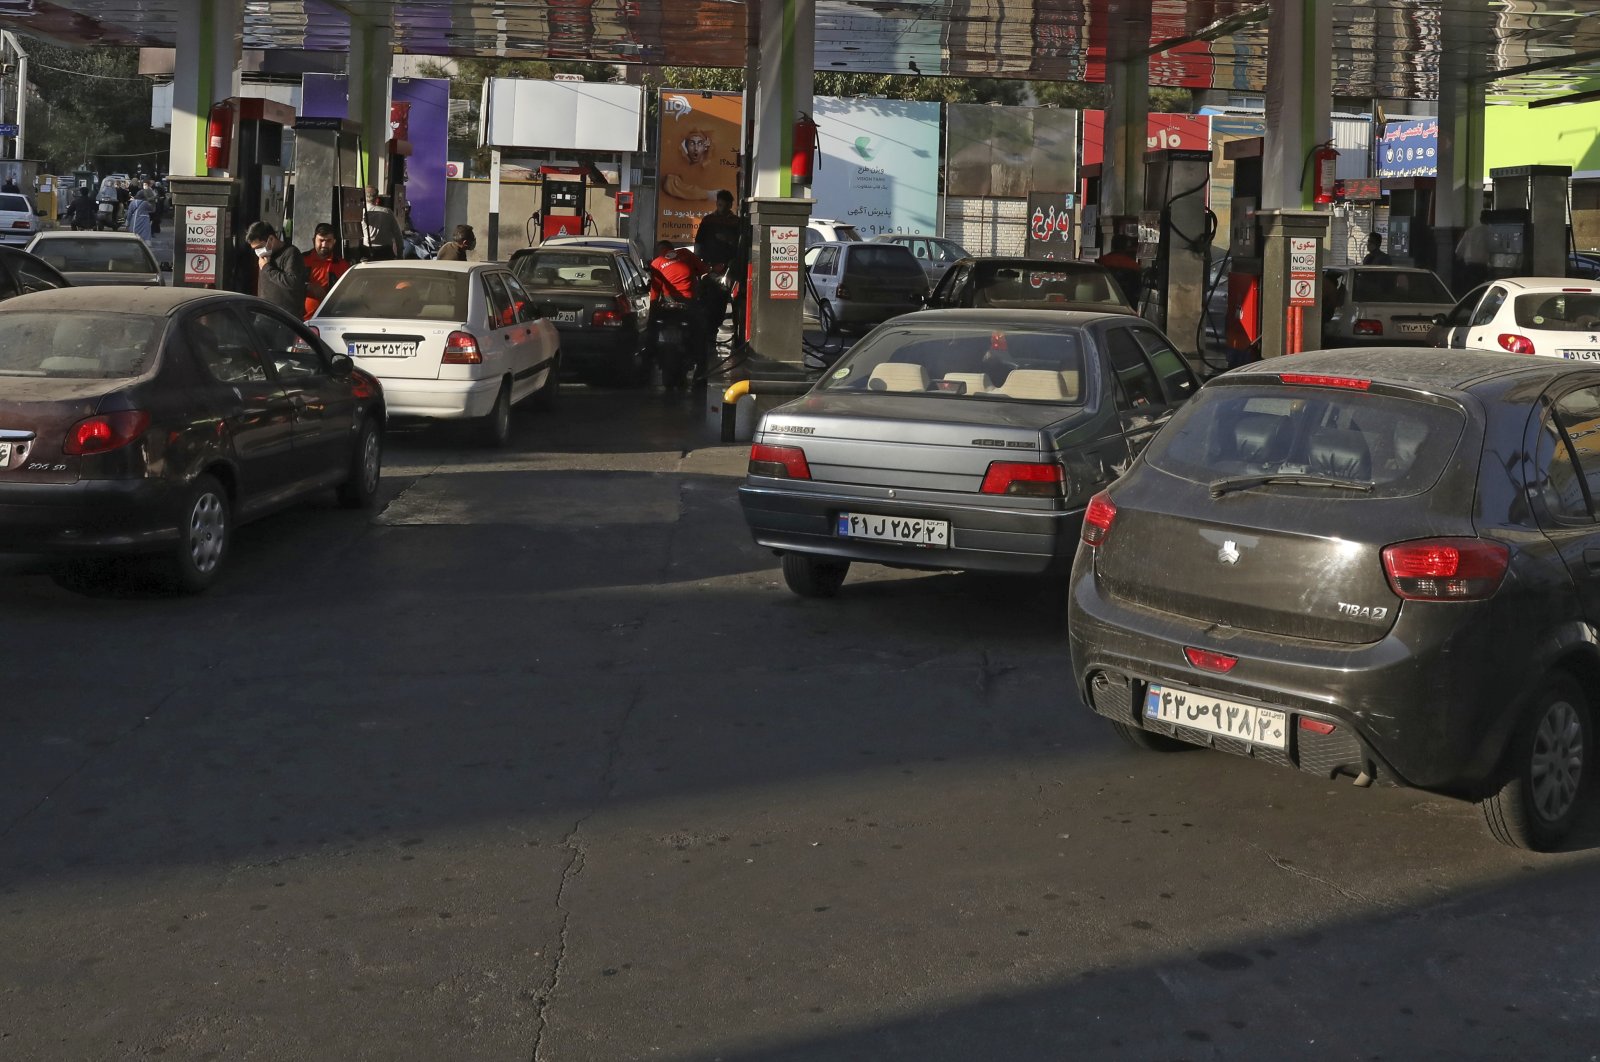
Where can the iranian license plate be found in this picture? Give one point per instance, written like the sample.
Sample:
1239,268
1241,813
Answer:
567,316
930,534
369,349
1202,711
1581,355
1414,329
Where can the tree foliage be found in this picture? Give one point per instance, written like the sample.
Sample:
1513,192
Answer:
95,110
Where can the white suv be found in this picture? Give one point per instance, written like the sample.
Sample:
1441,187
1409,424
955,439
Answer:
1551,316
18,222
826,230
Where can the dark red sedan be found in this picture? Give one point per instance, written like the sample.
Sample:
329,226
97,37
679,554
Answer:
153,420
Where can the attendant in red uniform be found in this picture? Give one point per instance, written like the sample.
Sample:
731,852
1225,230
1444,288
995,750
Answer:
323,266
674,276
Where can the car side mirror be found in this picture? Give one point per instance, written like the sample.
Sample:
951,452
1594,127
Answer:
166,267
38,213
341,365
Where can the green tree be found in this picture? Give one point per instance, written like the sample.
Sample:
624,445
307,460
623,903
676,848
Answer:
1086,97
96,110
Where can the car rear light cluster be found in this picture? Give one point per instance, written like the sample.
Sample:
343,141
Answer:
108,431
461,348
1515,343
1446,569
1315,380
614,317
841,292
22,224
1097,519
1024,477
1366,326
1206,660
784,462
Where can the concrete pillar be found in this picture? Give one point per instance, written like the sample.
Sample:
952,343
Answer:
1458,192
1299,100
370,65
783,67
1292,242
205,71
1126,141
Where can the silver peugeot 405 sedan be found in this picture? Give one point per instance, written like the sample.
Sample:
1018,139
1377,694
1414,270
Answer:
959,440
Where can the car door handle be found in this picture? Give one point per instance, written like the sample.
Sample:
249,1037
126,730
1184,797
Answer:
1591,558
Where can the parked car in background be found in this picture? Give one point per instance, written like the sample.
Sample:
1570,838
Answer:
933,253
18,219
958,439
852,286
1556,317
606,243
1027,283
826,230
1381,304
97,258
153,421
449,340
22,273
1584,265
599,300
1373,563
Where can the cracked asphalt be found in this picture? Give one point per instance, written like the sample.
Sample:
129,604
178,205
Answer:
541,762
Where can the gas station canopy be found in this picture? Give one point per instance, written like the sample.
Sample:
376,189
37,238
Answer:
1380,48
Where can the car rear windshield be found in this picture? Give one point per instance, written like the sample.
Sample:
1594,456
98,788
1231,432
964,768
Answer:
1560,311
15,202
569,269
400,294
1400,285
1399,445
1018,286
96,256
85,346
883,260
846,234
981,364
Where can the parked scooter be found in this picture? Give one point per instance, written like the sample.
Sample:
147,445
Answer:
420,245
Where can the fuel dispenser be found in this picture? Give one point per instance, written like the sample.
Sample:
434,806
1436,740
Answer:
563,203
327,176
1410,241
1175,244
1242,331
1528,229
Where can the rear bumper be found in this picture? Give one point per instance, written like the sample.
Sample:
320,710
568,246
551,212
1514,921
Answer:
89,516
585,349
982,539
439,399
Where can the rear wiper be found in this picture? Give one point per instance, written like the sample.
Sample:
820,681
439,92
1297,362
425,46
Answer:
1229,484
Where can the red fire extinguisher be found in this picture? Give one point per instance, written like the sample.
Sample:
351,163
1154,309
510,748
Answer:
806,146
1326,163
219,137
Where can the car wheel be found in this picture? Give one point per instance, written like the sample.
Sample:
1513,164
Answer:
203,537
1148,740
826,319
811,576
1539,802
546,398
495,429
360,490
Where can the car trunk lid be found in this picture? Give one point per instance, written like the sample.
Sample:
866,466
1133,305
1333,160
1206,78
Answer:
573,309
35,416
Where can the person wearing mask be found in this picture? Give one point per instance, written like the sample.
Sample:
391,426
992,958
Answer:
1375,252
323,266
675,277
281,268
462,240
383,237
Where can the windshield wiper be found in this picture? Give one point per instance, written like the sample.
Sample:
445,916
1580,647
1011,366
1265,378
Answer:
1229,484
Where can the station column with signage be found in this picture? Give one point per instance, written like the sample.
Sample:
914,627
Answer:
203,209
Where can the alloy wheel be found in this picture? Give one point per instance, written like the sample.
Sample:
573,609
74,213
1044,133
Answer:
1557,768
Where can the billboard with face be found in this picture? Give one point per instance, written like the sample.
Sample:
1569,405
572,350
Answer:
699,156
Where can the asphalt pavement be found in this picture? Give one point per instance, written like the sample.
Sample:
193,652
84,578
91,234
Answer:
541,761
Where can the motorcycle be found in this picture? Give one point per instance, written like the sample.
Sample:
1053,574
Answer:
106,215
422,245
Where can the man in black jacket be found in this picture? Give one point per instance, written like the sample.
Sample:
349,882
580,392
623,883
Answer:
281,278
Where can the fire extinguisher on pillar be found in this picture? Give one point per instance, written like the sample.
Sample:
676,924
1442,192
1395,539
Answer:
219,137
1325,161
806,146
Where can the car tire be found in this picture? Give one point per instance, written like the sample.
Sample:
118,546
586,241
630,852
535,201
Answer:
826,320
548,397
495,429
1148,740
204,535
1550,767
360,489
811,576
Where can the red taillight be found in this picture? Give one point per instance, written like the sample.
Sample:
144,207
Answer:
1206,660
1445,569
1097,519
785,462
1515,343
1316,726
1368,327
22,224
1313,380
1018,477
613,318
362,385
109,431
841,292
461,348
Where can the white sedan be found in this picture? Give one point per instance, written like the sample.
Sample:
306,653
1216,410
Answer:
449,340
1551,316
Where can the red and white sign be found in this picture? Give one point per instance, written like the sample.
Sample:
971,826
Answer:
784,262
1183,132
1302,271
200,243
452,169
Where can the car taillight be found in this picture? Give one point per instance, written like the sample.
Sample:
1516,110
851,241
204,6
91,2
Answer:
22,224
461,348
1366,326
108,431
614,317
1515,343
1445,569
841,292
1313,380
1097,519
1020,477
785,462
1206,660
362,385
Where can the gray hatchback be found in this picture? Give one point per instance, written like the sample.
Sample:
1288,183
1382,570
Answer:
1382,564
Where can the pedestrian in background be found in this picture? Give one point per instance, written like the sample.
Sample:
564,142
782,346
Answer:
281,268
383,237
462,240
323,266
1375,252
139,210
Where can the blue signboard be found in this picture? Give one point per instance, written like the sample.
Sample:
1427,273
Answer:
8,129
1409,148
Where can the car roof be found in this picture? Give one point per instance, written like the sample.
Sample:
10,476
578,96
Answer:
1030,263
1019,318
70,234
1539,284
1413,368
427,263
116,299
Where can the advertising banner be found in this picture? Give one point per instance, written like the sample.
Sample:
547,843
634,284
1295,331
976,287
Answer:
700,137
1181,132
1010,152
1409,148
879,169
1050,225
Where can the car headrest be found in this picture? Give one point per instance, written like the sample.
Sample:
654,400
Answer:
1341,453
898,376
1409,435
1258,438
